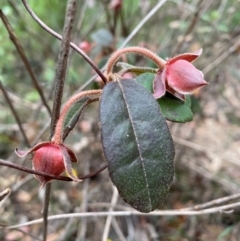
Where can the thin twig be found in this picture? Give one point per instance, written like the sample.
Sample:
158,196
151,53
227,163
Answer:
190,27
24,58
58,36
118,230
4,194
20,182
62,62
40,133
127,40
59,86
46,202
82,226
28,234
228,185
142,22
177,212
35,172
67,230
109,218
205,149
15,114
44,174
214,202
229,50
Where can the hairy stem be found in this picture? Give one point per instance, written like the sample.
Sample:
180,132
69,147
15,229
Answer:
129,37
58,135
135,49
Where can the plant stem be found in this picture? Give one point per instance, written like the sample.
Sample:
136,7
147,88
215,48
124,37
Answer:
45,209
20,50
59,86
62,63
135,49
58,134
129,37
15,114
35,172
131,213
72,45
4,194
44,174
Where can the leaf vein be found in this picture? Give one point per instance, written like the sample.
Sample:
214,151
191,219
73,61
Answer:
138,145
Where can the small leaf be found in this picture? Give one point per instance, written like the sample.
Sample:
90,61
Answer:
146,80
172,108
137,144
75,111
135,69
176,110
103,37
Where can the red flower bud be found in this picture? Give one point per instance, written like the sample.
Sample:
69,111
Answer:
52,159
116,5
179,77
85,46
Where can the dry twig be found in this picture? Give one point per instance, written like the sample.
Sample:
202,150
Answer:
58,36
15,114
24,58
177,212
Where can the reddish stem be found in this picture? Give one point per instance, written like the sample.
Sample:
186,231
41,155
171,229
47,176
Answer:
58,135
139,50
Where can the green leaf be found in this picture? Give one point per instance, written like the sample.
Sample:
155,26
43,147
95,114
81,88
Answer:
75,110
146,80
172,108
135,69
103,37
137,144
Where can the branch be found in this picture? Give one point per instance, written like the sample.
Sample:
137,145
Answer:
130,36
24,58
214,202
59,86
28,170
58,36
142,22
44,174
177,212
109,217
4,194
15,114
62,63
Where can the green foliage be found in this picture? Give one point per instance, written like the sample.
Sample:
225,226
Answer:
32,96
137,144
172,108
74,112
102,37
135,69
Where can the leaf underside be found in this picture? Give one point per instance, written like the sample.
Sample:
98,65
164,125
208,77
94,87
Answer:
75,112
172,108
135,69
137,144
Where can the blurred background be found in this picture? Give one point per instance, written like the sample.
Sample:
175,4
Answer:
207,148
